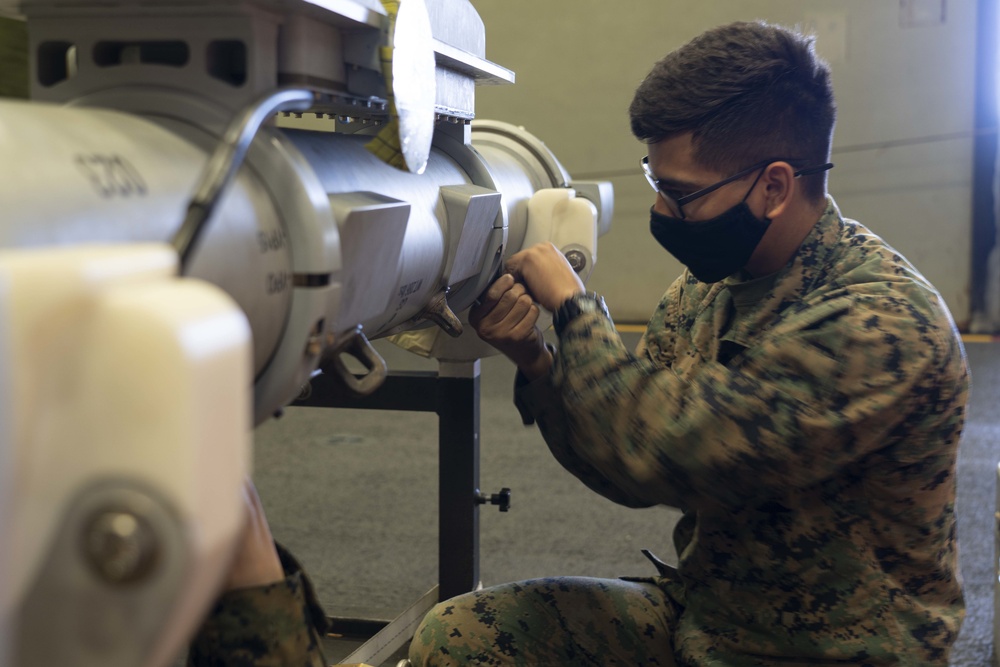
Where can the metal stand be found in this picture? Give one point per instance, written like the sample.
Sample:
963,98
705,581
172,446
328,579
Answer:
453,394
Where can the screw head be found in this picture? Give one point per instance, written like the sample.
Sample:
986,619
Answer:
120,546
305,392
577,260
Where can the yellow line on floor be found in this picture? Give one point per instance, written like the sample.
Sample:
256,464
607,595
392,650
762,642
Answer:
980,338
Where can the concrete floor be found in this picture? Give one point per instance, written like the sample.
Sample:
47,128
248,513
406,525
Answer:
353,494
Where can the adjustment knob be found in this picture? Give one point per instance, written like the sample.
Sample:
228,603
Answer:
501,499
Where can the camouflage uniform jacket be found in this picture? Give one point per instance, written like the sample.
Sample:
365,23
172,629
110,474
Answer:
278,625
807,424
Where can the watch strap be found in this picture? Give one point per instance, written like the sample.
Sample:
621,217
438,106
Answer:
576,305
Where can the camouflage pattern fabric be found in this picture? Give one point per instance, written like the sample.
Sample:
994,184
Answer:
279,625
563,621
807,424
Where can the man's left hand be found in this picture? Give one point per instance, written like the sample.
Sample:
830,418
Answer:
547,275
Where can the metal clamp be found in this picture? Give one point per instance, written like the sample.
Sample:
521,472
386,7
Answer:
438,312
357,346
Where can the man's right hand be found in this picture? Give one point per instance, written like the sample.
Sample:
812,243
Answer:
256,562
506,318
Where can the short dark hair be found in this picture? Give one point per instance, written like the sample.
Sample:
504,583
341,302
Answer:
746,92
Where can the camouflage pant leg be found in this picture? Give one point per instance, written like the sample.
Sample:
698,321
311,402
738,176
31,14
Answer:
560,621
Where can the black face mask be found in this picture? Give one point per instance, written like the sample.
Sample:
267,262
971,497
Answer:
711,249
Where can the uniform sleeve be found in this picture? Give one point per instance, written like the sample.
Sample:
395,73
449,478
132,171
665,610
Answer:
850,374
265,626
539,402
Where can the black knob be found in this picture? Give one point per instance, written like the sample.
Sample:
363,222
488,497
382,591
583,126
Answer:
501,499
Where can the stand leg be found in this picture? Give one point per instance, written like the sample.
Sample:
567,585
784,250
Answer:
458,481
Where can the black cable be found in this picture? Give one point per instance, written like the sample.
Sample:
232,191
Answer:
226,160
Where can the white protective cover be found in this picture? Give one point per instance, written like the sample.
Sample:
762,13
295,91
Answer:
115,367
569,222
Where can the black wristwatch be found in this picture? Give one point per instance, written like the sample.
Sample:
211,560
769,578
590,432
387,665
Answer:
576,305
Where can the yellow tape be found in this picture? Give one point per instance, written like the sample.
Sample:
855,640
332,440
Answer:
386,144
980,338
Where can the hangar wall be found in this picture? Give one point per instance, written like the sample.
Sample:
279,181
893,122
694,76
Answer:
903,71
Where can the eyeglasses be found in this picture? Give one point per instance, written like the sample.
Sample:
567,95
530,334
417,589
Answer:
677,201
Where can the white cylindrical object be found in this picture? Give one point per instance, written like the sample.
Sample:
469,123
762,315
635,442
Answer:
73,175
82,175
123,375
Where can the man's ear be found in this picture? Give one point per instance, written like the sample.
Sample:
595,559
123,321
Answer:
778,184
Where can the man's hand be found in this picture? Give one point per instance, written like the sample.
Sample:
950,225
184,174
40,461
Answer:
256,562
547,275
506,318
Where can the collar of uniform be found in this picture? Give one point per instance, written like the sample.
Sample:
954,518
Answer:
750,291
807,269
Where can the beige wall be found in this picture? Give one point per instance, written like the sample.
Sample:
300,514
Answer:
577,64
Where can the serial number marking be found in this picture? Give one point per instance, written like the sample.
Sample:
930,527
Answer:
111,175
278,282
406,291
272,240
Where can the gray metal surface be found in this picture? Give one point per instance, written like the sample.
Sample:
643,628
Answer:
215,44
457,23
372,230
395,635
226,159
519,165
414,90
92,176
233,54
455,231
307,247
471,215
274,243
343,165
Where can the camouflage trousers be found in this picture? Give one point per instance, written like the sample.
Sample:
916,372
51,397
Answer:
559,621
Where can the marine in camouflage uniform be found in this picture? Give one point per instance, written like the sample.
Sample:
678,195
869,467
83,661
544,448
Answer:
799,394
806,422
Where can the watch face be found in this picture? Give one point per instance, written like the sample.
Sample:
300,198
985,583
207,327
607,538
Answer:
574,306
